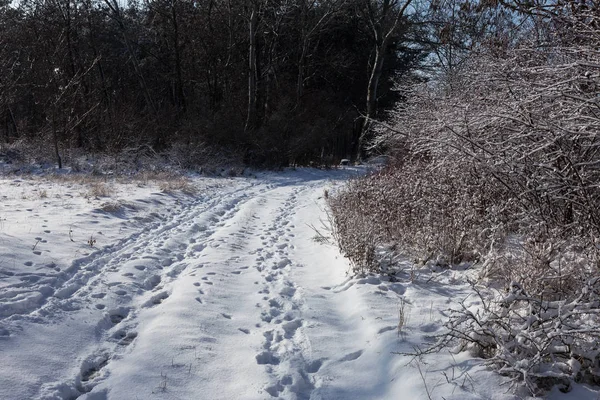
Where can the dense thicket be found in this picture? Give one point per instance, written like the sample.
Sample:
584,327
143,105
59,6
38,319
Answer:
506,144
274,81
498,163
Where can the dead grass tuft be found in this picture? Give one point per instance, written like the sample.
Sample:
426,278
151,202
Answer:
99,189
180,184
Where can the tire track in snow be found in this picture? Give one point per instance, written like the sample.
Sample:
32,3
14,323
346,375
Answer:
240,326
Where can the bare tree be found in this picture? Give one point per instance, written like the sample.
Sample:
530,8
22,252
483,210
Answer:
312,25
252,118
384,20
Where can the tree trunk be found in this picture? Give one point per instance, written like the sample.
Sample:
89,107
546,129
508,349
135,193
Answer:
382,35
371,98
302,67
180,97
302,58
117,16
252,73
55,140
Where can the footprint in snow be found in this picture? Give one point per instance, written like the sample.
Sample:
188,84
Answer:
315,365
151,282
117,315
275,389
156,299
266,317
124,338
291,327
274,303
288,291
352,356
92,367
386,329
267,358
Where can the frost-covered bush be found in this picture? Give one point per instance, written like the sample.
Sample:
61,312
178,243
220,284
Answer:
506,149
552,269
540,342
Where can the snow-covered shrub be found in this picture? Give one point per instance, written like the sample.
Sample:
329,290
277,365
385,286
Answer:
413,209
526,123
552,269
22,152
355,231
517,135
540,342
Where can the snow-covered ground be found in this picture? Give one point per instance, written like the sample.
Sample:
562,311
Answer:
225,294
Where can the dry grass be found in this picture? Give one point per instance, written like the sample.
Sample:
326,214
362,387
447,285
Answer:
180,184
167,182
100,186
99,189
78,179
147,177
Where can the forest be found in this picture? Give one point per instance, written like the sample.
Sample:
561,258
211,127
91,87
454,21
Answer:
266,83
259,82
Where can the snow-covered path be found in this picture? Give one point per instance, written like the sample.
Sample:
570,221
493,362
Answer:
226,295
210,301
